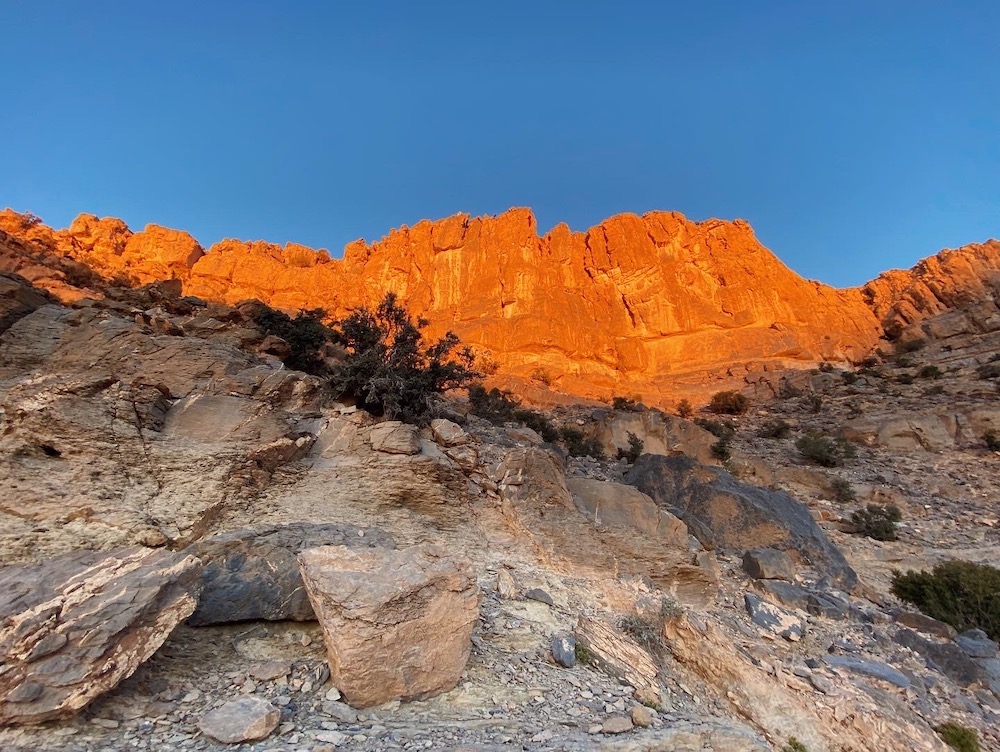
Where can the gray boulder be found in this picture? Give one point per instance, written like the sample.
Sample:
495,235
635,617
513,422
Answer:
254,573
945,657
768,564
722,512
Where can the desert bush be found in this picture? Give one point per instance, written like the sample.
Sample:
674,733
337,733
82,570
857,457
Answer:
988,370
729,403
634,450
718,428
305,335
794,745
930,372
825,451
842,490
684,409
721,449
645,632
499,407
389,369
849,377
934,390
579,444
775,429
870,362
623,403
959,737
826,367
813,402
961,593
992,440
910,346
877,521
905,378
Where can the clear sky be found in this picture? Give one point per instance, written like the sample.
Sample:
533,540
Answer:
855,135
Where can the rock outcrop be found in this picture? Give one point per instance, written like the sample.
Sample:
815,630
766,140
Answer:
73,627
397,624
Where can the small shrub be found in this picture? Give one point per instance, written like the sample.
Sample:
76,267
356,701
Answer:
305,335
634,450
537,423
794,745
904,378
721,449
623,403
842,490
877,521
826,367
959,737
719,429
583,655
961,593
849,377
910,346
930,372
644,632
499,407
813,402
935,390
825,451
988,371
788,390
580,445
670,609
684,409
540,374
775,429
869,362
729,403
992,440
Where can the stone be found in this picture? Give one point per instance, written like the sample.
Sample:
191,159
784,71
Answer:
245,719
873,668
448,434
922,623
563,649
340,711
74,626
270,670
822,684
768,564
537,594
722,512
619,505
617,724
946,657
506,587
773,619
394,437
253,573
975,643
397,624
641,716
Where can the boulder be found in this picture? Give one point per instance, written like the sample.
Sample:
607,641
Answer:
448,434
622,506
774,619
397,624
244,719
945,657
923,623
768,564
659,433
975,643
724,513
253,573
74,626
395,437
874,669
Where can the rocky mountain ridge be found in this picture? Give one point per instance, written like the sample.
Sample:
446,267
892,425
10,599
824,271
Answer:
654,306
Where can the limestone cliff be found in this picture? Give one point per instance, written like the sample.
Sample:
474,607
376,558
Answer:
636,305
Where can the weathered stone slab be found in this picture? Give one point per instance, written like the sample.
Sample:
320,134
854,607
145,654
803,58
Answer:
397,624
253,573
73,627
244,719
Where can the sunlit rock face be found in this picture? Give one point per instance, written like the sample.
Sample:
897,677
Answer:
636,305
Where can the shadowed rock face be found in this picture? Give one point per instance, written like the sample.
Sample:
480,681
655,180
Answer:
724,513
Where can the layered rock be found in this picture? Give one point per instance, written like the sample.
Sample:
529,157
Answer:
74,626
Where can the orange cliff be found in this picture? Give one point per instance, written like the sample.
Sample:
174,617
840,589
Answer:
634,306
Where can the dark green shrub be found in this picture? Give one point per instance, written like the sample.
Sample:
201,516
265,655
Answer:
825,451
721,449
813,402
960,593
499,407
959,737
910,346
870,362
645,632
826,367
623,403
842,490
389,369
904,378
579,444
930,372
794,745
729,403
684,409
849,377
719,429
988,371
305,335
992,440
775,429
877,521
634,450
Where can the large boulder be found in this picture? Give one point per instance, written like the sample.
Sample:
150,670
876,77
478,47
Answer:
73,627
397,624
17,299
724,513
660,434
253,573
621,506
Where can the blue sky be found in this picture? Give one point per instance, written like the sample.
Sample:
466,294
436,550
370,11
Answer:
854,136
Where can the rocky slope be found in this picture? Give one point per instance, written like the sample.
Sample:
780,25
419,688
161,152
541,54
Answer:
654,306
144,418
